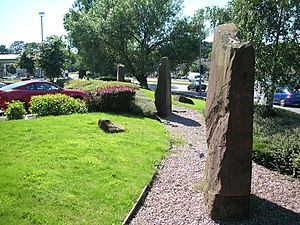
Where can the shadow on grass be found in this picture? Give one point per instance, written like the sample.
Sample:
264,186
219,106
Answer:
265,212
182,120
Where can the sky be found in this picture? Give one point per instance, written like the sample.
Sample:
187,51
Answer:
20,19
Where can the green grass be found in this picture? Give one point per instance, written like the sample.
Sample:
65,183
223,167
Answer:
65,170
198,104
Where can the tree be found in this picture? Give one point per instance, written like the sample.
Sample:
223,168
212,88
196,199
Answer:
3,49
52,57
27,61
133,32
17,47
273,27
183,44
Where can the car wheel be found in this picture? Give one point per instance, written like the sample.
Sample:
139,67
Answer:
282,102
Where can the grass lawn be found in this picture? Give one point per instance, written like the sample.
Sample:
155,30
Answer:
198,104
65,170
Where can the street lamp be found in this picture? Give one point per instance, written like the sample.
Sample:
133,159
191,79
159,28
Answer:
200,56
41,15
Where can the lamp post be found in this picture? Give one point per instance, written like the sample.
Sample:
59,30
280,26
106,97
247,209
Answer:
200,56
41,15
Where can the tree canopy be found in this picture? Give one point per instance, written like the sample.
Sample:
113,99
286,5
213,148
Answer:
274,28
52,57
135,33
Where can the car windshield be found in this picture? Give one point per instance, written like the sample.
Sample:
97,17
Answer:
14,85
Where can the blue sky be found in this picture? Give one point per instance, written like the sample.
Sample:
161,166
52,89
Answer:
20,20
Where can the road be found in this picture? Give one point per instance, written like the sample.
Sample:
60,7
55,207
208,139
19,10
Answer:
180,89
293,109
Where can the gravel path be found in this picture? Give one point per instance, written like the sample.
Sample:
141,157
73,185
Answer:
176,196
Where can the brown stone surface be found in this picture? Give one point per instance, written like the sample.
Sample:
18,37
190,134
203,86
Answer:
183,99
229,121
120,73
110,127
163,100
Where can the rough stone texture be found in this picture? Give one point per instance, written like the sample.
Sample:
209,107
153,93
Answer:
183,99
163,100
229,122
176,197
109,127
121,73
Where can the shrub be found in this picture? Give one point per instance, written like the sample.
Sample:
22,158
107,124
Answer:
276,140
15,110
143,105
58,104
113,98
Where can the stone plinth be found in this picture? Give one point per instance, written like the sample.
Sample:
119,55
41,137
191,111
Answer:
163,100
229,122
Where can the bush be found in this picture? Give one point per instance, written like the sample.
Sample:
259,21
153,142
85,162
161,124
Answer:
276,140
143,105
58,104
113,98
15,110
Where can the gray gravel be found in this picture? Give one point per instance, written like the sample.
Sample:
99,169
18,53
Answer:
176,196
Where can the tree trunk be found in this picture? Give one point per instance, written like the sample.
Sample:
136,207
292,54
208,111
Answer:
142,80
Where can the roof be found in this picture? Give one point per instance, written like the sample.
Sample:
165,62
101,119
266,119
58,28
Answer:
9,57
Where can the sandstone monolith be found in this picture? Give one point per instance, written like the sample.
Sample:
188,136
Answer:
163,101
120,73
229,121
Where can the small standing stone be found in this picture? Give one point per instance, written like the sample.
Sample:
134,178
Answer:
163,100
121,73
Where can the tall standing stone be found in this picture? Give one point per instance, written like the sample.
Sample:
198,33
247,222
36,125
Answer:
229,121
163,101
120,73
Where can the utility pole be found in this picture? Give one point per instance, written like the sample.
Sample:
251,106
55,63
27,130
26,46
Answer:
41,15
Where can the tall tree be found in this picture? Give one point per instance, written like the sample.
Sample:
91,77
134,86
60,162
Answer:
28,57
3,49
17,47
27,61
52,57
274,28
131,32
184,41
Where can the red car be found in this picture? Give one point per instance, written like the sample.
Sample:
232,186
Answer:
23,91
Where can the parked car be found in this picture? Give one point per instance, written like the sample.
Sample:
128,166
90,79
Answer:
284,96
2,84
195,77
195,86
23,91
184,77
